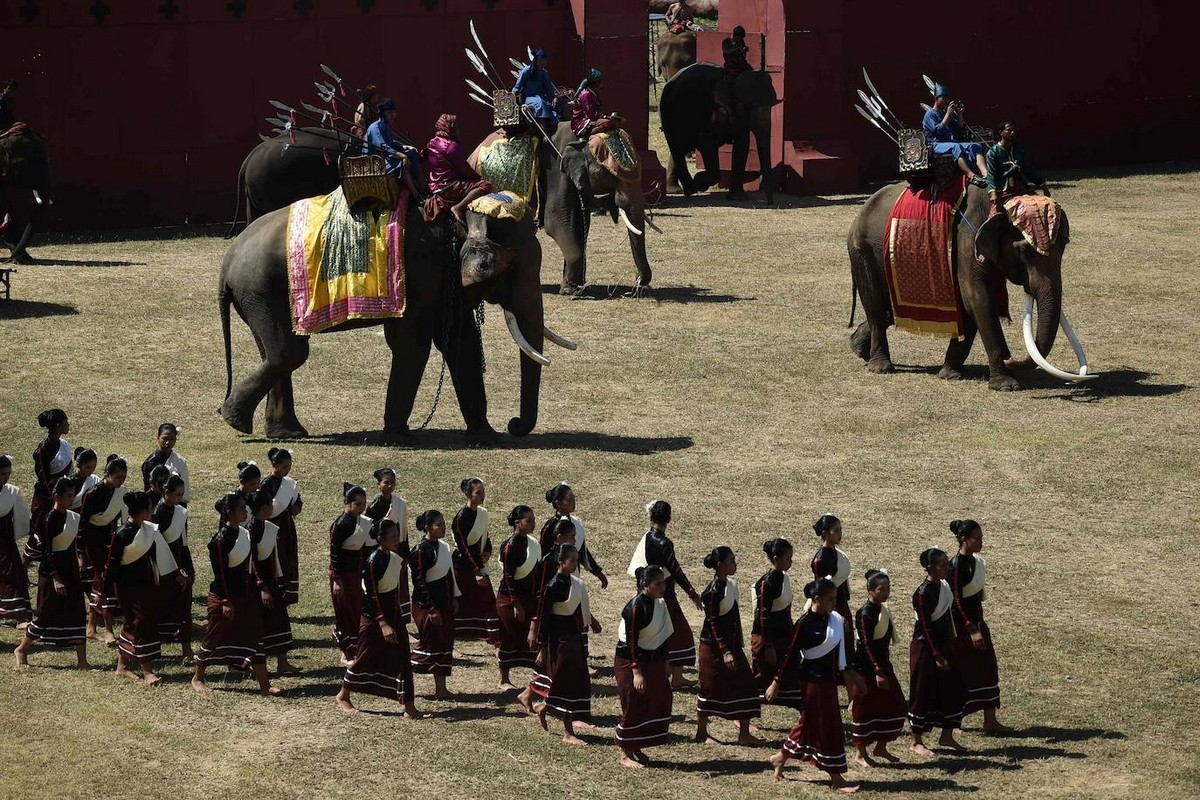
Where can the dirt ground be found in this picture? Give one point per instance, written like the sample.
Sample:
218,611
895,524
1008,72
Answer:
729,391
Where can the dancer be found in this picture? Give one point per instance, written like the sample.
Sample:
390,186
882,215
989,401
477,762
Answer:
564,616
235,631
641,668
286,507
15,525
61,610
657,549
728,688
381,663
171,516
935,689
831,561
819,638
100,515
249,480
476,616
974,655
51,461
879,709
771,632
562,499
85,478
435,602
563,533
166,456
519,556
348,535
268,575
389,505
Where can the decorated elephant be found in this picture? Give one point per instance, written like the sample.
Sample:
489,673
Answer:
280,171
987,253
594,175
499,263
691,121
24,189
673,52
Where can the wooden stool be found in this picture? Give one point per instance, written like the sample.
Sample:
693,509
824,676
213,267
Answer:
5,288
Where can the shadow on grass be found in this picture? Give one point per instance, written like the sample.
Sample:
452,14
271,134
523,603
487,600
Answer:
912,785
1054,735
1027,752
953,764
29,309
1113,383
444,439
74,262
684,295
715,198
720,766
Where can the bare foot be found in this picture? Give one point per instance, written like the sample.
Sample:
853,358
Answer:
201,687
750,740
630,763
346,706
881,751
345,662
922,750
778,761
575,740
949,743
90,633
110,641
864,760
124,673
151,679
506,686
584,726
542,717
273,691
410,712
23,626
284,670
526,701
22,660
446,695
85,666
593,672
997,727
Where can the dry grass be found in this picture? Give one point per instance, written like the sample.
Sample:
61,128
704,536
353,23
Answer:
733,394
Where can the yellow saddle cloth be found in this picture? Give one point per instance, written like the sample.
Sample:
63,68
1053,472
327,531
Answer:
500,205
511,165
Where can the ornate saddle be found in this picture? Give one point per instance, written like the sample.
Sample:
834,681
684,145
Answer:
919,166
615,151
366,181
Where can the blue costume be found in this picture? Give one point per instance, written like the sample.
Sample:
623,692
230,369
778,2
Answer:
381,141
535,89
948,138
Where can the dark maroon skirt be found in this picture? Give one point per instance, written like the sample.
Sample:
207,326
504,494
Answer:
791,693
877,715
345,589
60,620
106,604
277,626
727,693
288,547
568,689
14,581
514,636
141,606
935,698
979,671
818,737
175,623
645,718
380,667
233,642
681,647
476,617
434,653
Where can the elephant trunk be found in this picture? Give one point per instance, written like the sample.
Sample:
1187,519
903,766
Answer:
1049,309
632,205
762,143
526,320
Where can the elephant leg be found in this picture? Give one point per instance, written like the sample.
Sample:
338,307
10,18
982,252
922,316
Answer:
977,300
679,163
737,167
871,342
283,352
464,358
860,340
410,354
282,422
673,184
711,175
957,352
568,229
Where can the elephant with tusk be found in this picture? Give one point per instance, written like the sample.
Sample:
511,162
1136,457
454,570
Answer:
987,251
25,190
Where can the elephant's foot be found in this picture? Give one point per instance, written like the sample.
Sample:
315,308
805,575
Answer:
1003,383
21,258
1020,365
483,434
881,366
860,341
238,420
735,195
571,289
949,373
292,430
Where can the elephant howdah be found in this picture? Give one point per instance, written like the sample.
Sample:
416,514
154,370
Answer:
984,252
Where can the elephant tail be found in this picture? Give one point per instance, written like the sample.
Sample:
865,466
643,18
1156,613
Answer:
237,201
225,300
853,300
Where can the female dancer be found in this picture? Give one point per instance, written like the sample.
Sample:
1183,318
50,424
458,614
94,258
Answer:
249,480
832,561
155,482
519,555
641,668
565,614
61,610
974,655
771,632
235,632
878,710
100,515
348,535
657,549
15,524
728,688
476,617
562,534
935,689
435,602
819,638
562,499
389,505
138,561
286,507
165,455
381,663
51,461
268,574
170,515
85,477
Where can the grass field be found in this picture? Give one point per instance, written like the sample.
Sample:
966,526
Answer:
731,392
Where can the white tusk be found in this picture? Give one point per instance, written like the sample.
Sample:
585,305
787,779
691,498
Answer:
522,342
1040,360
628,224
37,198
561,341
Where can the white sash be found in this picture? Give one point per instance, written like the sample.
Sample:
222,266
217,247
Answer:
444,564
362,534
115,509
945,599
62,459
66,537
288,491
391,575
89,483
146,537
639,559
478,531
785,595
398,513
656,633
843,567
975,585
266,546
533,554
580,538
178,466
577,598
730,599
835,635
177,528
884,624
12,502
240,550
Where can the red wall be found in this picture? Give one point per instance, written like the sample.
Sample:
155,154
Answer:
148,119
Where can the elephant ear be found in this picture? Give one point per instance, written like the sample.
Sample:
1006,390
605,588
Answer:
1064,227
989,238
575,167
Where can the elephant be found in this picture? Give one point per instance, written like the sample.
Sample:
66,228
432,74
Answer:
700,7
690,121
499,262
674,51
577,185
25,189
987,251
280,171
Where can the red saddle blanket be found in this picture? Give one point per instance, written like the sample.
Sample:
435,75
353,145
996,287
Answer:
918,260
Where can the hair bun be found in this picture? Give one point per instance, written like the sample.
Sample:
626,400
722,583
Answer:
550,495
